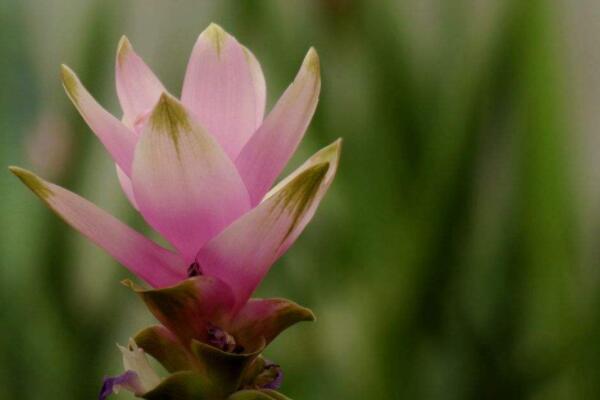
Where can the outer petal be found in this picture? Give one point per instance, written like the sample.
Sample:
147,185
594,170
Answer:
268,318
152,263
137,86
220,88
225,370
185,186
164,346
243,253
190,308
118,140
260,86
269,149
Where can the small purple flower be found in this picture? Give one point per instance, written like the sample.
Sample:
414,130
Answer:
271,377
112,384
221,339
139,377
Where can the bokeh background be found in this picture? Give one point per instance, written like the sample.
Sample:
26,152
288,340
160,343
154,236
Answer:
456,255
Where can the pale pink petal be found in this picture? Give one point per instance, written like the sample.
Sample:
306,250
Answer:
118,140
243,253
260,86
185,185
125,183
219,88
155,265
269,149
137,86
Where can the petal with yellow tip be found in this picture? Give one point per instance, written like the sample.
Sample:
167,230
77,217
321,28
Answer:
267,152
114,135
219,88
260,86
243,253
138,87
152,263
184,184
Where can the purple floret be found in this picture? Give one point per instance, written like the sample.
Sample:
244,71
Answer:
129,380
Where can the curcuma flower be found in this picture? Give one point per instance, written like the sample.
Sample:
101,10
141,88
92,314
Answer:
199,170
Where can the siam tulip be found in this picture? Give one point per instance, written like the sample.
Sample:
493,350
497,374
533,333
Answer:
199,170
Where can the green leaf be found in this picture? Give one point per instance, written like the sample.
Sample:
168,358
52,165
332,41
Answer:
252,372
224,370
161,344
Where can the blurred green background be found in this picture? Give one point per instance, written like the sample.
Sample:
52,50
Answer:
456,254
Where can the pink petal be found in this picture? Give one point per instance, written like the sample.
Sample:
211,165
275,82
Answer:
185,185
260,86
219,88
152,263
125,183
137,86
243,253
270,148
118,140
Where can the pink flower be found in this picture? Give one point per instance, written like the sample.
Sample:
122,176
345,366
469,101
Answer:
199,169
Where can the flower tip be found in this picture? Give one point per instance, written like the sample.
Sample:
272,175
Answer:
309,316
165,99
166,103
24,175
312,62
215,32
123,48
70,82
15,170
215,35
131,346
32,181
213,26
170,116
330,153
66,72
337,144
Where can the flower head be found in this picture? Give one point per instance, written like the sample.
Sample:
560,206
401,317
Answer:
199,168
